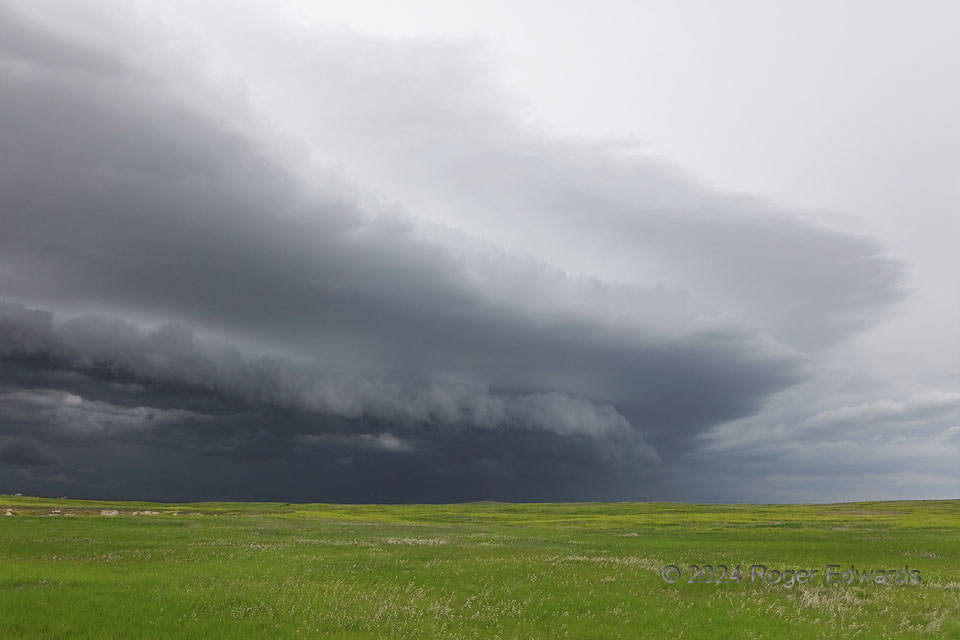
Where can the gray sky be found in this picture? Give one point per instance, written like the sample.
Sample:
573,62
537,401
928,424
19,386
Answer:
433,251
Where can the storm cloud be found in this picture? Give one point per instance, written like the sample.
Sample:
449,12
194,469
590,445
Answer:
339,267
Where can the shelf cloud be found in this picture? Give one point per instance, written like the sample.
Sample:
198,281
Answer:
347,268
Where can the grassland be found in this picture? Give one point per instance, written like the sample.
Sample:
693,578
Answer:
485,571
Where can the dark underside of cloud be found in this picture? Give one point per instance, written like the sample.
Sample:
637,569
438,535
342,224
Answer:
155,243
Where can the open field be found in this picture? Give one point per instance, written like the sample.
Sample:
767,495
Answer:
86,569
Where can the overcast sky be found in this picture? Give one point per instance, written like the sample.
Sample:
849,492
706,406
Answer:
433,251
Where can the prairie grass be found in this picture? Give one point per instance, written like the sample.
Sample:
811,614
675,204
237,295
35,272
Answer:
76,569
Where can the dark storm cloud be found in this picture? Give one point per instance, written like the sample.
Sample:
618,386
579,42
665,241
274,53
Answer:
414,363
170,360
270,418
20,453
94,383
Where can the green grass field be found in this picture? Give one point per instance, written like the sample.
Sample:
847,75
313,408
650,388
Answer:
69,569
